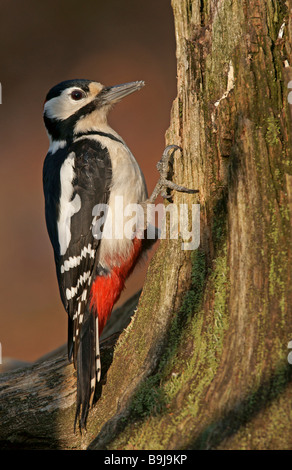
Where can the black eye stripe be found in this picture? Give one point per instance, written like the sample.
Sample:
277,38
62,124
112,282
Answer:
77,95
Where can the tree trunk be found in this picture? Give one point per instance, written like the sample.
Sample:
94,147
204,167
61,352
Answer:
203,363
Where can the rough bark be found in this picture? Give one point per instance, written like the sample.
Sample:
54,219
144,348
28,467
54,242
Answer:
203,363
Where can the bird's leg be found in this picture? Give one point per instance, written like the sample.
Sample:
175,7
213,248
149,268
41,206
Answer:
163,183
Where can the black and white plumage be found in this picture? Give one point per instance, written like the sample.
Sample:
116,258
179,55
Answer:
87,164
85,178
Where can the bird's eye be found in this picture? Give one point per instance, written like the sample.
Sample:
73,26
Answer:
77,95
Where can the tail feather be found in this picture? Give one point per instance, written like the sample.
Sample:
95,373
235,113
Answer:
96,364
70,343
88,367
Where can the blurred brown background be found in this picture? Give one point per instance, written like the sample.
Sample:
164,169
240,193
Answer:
41,44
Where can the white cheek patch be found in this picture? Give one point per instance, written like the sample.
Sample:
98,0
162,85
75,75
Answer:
61,107
67,207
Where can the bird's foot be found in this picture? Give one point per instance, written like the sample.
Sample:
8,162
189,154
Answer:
163,183
161,187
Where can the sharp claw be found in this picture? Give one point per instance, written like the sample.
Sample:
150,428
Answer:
164,195
168,148
162,165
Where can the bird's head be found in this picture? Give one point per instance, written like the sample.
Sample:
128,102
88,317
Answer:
75,106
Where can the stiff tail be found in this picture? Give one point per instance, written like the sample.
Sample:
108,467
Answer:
105,291
88,367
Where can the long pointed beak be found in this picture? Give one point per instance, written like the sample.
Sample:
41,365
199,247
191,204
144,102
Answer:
115,93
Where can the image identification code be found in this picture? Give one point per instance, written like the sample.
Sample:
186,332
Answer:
151,459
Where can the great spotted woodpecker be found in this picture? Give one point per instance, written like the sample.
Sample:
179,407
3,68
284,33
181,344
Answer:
89,164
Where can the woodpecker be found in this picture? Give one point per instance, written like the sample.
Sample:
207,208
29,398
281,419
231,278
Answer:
88,164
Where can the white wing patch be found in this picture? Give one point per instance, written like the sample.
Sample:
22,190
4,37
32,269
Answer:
74,261
68,207
70,293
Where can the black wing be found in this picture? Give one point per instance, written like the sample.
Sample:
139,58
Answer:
76,266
